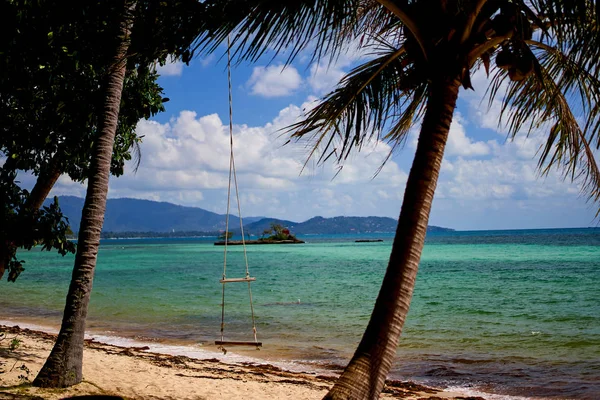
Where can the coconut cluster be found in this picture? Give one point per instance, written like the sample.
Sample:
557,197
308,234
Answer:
514,56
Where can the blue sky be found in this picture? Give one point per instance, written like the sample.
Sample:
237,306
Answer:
487,182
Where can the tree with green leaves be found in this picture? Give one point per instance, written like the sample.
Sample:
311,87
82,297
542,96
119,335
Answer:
26,228
265,232
276,228
541,58
226,235
120,35
51,92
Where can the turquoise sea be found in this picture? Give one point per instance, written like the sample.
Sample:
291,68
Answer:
511,313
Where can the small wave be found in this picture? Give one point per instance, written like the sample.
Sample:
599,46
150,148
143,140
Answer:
285,303
468,391
444,371
580,343
470,361
484,312
33,327
329,366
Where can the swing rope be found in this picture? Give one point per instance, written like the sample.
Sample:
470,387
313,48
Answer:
232,174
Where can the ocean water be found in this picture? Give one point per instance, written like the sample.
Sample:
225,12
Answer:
508,313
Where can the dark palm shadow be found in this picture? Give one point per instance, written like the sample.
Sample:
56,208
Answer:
19,355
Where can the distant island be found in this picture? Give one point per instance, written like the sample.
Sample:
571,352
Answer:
131,218
276,234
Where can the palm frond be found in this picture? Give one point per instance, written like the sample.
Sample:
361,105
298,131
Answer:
386,91
413,110
411,113
262,25
577,81
561,92
572,16
400,9
136,149
376,20
572,25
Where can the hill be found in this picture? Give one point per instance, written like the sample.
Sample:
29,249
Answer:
152,217
134,215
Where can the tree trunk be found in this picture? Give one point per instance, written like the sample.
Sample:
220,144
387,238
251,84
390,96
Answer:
43,185
36,198
64,365
8,171
365,375
4,258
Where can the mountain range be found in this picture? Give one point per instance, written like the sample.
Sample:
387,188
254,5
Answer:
135,215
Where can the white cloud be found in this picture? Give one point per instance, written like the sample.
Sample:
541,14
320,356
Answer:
186,161
326,74
510,172
459,144
171,68
274,80
324,78
208,60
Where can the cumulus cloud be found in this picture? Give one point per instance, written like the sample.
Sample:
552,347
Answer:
325,74
186,161
323,78
459,144
509,171
496,183
512,162
274,80
171,68
208,60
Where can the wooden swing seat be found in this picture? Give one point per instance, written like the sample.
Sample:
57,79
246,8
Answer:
229,280
237,343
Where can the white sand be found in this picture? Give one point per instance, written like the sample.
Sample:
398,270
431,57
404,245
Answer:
138,374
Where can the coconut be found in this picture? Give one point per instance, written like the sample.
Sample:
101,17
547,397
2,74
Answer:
505,59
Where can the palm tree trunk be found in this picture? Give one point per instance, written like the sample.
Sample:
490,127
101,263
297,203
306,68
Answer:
365,375
64,365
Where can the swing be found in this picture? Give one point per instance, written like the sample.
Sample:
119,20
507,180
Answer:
247,278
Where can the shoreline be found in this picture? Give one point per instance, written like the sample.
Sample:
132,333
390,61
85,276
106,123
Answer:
181,347
139,371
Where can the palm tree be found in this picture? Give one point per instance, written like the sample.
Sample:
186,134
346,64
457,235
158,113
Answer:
423,58
541,57
64,365
161,28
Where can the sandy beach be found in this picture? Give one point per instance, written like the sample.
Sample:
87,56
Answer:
134,373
